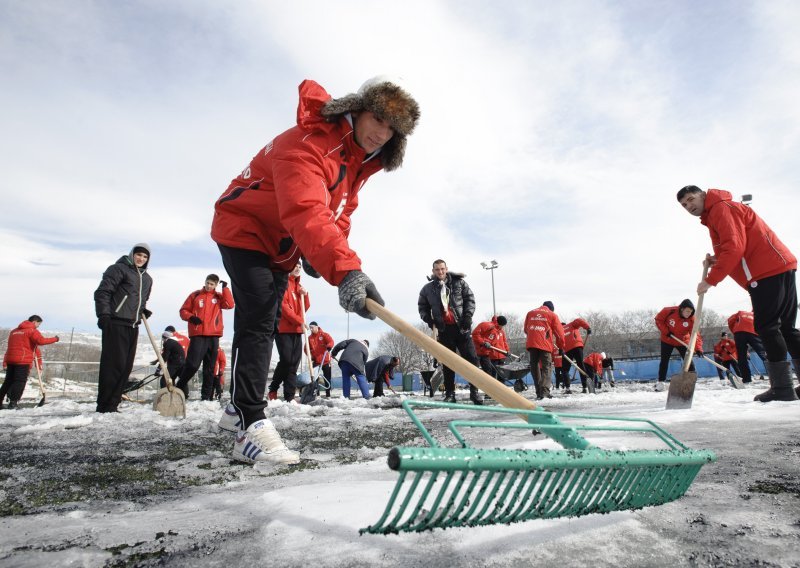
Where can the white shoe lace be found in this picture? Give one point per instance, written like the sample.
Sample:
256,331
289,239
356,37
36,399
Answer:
267,439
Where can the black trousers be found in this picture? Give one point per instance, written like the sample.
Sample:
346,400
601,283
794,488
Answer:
116,363
326,372
730,365
666,353
257,292
774,315
290,351
452,338
174,374
14,384
576,354
202,349
743,340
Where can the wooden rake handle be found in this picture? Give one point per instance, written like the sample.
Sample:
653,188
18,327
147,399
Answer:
709,359
470,372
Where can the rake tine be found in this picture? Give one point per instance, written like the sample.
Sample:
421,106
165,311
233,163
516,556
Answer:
410,493
465,499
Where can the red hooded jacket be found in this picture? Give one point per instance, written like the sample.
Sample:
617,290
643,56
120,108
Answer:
297,195
182,340
219,365
291,315
319,343
543,330
725,350
558,359
742,322
494,334
669,321
572,333
746,248
208,307
23,342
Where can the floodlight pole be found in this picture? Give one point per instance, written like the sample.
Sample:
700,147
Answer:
490,266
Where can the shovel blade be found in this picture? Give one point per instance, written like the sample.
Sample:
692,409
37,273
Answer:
735,381
436,379
681,390
170,403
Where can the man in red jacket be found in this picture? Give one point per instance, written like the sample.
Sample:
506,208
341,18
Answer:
485,336
573,348
203,310
23,343
219,373
295,199
543,333
674,322
747,250
593,364
289,339
725,355
744,335
321,344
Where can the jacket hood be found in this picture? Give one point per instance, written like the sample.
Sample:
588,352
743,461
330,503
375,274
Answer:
146,247
387,101
687,303
715,197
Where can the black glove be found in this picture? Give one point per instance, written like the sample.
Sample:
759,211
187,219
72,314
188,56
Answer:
224,284
466,324
57,339
308,269
103,321
146,313
154,362
354,289
589,331
195,320
698,353
487,345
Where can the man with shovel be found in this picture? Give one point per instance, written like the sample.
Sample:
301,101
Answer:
296,198
491,344
23,344
747,250
673,322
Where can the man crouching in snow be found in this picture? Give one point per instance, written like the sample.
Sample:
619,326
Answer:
747,250
295,200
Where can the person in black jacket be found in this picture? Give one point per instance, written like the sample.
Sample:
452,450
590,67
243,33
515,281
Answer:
379,371
173,355
447,303
119,301
353,363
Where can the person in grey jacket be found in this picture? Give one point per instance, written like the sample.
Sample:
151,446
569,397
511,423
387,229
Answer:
353,363
119,301
447,303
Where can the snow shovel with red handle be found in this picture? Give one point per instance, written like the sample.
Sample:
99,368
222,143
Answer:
736,382
169,401
466,486
681,386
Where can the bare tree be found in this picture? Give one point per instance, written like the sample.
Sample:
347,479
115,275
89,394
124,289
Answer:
412,358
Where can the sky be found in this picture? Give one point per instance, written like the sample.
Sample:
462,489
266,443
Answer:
553,139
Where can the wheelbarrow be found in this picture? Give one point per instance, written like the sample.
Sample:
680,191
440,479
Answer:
442,487
513,373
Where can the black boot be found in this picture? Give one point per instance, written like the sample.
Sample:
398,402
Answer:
475,396
449,397
780,380
12,404
796,363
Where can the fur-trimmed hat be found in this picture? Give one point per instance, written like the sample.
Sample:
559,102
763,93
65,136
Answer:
386,98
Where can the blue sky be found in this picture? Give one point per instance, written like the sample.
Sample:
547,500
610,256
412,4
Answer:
553,138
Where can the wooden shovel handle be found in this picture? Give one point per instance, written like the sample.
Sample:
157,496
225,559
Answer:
470,372
687,362
161,362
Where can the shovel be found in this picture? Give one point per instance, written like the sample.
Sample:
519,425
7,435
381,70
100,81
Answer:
736,382
39,378
589,381
506,353
681,386
169,401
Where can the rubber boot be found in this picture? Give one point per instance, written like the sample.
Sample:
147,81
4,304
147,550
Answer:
475,396
780,380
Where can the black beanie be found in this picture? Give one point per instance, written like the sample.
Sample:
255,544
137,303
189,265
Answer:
501,320
313,323
170,328
550,305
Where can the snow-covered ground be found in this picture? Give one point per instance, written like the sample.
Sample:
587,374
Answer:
137,489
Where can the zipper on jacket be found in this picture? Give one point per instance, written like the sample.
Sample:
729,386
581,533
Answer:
139,306
119,307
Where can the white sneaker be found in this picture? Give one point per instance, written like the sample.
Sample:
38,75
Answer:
659,386
262,443
230,421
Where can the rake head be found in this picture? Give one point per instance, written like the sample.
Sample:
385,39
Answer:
464,487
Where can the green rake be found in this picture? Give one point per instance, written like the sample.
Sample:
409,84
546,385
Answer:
463,487
443,487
